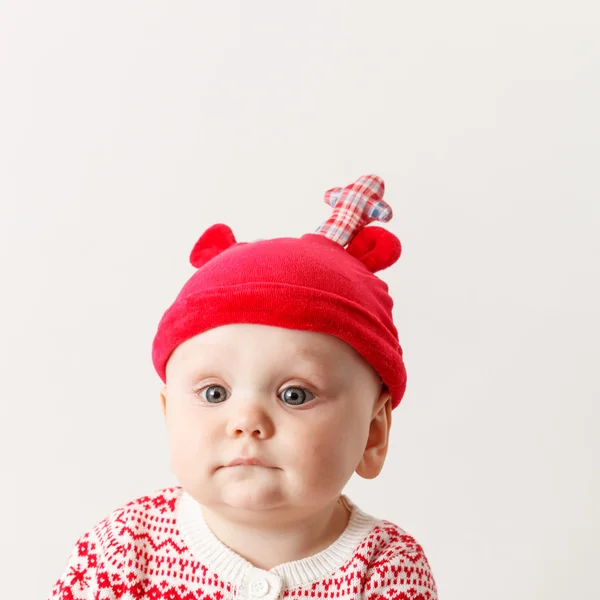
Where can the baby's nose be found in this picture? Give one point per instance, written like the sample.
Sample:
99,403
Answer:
251,420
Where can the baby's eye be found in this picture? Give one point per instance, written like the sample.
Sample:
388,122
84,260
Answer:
214,394
295,396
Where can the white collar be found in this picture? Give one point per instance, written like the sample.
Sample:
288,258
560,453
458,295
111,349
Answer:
230,566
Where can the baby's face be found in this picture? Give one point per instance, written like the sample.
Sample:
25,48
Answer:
300,403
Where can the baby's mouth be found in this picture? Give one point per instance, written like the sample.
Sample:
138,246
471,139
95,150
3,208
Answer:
249,462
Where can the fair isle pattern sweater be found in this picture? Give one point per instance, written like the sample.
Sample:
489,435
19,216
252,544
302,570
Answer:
158,547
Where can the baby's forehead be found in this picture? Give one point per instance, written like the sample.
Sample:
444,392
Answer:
265,344
244,350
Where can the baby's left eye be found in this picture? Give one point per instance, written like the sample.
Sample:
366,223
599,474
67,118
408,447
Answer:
295,396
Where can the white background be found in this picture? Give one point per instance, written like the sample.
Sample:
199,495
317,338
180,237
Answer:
127,128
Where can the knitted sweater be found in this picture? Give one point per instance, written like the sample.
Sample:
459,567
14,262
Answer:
159,547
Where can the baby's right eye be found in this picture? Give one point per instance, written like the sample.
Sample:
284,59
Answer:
214,394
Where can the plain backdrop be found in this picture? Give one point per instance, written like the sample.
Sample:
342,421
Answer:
127,128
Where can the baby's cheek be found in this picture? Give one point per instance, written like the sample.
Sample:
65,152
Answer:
181,456
187,448
340,454
326,458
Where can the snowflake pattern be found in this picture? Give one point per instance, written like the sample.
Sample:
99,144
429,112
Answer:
138,552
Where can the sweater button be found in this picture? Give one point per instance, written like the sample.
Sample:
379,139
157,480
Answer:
259,588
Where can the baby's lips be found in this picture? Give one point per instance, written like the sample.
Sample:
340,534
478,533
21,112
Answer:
249,462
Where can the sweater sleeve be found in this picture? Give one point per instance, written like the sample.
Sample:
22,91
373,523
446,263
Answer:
403,575
88,575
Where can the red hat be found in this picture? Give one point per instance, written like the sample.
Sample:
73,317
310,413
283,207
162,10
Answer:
323,281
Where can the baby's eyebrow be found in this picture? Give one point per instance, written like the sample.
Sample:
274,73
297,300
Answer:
310,355
319,362
305,352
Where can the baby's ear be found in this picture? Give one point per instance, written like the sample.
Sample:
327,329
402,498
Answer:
376,247
163,400
376,449
212,242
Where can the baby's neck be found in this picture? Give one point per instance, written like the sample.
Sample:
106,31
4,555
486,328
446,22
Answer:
273,542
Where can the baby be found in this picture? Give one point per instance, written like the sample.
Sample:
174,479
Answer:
281,366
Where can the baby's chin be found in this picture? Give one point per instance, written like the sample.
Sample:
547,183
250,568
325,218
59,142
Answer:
249,494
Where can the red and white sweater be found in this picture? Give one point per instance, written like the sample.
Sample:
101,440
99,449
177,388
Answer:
159,547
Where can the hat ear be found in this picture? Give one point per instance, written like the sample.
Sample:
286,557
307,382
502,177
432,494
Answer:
212,242
376,247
